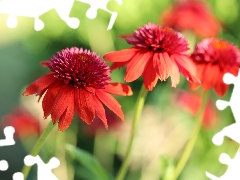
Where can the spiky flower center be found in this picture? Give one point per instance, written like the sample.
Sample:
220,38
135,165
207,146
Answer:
216,51
78,67
158,39
219,44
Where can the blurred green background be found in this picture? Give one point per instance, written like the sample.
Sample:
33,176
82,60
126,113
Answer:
164,127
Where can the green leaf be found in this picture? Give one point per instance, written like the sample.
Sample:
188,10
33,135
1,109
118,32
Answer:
88,161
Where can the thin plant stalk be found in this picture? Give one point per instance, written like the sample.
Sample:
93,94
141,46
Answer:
191,142
137,113
38,146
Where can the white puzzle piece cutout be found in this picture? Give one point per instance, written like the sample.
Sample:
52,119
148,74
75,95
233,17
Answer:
233,172
232,131
36,8
18,176
8,141
101,4
3,165
235,98
44,171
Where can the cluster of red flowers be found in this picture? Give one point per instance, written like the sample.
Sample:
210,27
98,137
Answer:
79,80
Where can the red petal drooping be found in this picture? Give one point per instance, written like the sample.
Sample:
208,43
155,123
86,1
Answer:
161,65
84,105
213,72
174,71
187,67
50,97
118,89
117,65
66,119
121,56
137,65
150,76
110,102
100,111
220,87
63,99
39,85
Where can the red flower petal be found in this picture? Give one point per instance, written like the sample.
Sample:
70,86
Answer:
85,105
63,99
137,65
100,111
200,72
110,102
174,71
45,63
39,84
161,66
117,65
50,97
187,67
41,93
90,89
213,73
221,88
120,56
66,118
150,76
123,36
118,89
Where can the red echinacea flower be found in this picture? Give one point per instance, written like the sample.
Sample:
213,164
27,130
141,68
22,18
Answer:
79,80
24,123
215,57
191,15
157,53
192,102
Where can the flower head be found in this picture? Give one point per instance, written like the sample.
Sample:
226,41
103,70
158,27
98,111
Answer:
79,80
215,57
192,102
24,123
157,53
191,15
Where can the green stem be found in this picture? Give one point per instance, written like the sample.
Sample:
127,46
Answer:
38,146
190,145
138,110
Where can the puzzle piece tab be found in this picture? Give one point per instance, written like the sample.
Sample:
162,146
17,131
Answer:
8,132
235,98
36,8
44,170
232,172
3,165
18,176
232,131
100,4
